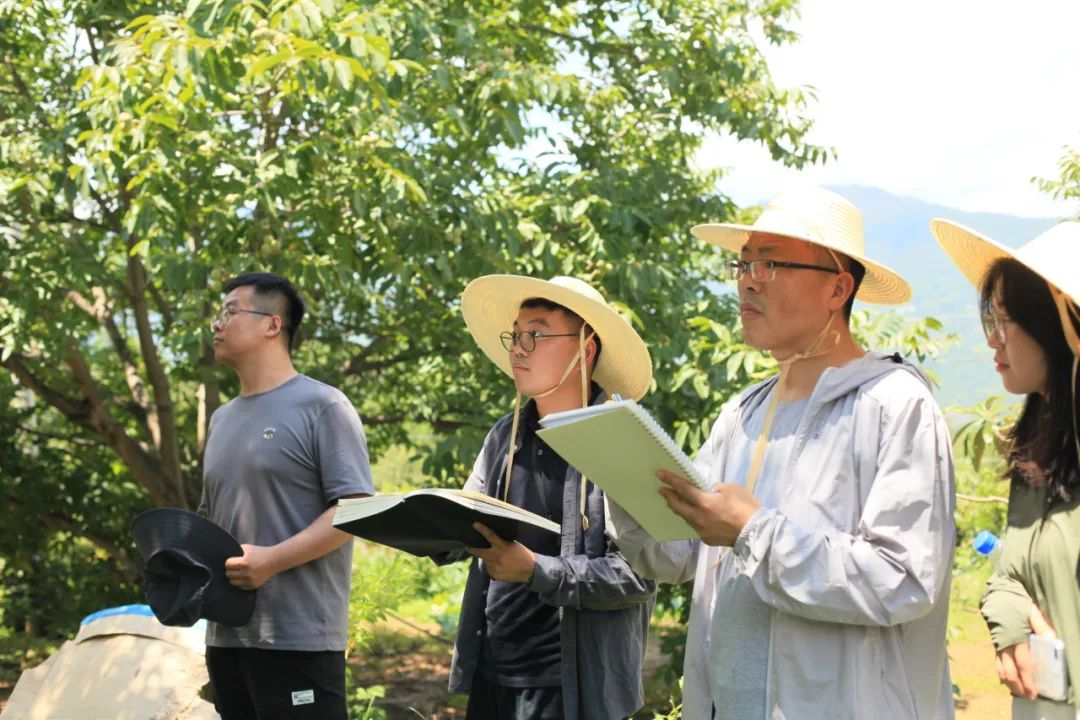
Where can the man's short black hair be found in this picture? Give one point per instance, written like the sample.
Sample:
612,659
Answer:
545,304
271,286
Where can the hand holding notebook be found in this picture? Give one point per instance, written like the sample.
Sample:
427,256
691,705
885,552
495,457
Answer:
431,521
619,447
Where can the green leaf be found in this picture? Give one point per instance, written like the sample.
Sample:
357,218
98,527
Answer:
343,72
267,62
163,119
681,433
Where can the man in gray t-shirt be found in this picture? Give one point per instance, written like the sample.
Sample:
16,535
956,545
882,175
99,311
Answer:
278,458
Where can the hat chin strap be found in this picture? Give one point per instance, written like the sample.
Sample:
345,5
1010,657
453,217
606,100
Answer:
1068,313
816,347
819,346
580,354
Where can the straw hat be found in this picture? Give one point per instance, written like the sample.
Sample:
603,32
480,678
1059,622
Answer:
1053,255
823,218
490,305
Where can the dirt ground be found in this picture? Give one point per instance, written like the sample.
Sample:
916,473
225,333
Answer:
414,666
415,680
981,696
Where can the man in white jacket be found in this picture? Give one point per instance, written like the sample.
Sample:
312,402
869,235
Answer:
821,577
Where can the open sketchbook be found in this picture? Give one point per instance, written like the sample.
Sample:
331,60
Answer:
435,520
619,446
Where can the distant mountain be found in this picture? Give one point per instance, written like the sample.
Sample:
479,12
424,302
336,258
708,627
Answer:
898,235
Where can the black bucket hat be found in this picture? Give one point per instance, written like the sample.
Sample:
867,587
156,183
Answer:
185,569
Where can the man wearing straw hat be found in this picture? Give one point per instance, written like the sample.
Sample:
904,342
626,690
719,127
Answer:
821,577
551,627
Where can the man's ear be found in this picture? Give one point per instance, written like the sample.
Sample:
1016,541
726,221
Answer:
275,327
590,349
843,287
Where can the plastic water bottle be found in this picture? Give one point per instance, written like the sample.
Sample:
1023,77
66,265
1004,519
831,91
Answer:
990,546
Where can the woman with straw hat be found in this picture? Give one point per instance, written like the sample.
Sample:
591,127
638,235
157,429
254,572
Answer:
1028,299
550,627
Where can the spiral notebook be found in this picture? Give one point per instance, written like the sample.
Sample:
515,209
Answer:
619,447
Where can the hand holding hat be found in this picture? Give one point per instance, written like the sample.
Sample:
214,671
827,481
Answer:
185,574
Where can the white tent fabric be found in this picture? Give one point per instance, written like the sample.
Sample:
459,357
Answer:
120,667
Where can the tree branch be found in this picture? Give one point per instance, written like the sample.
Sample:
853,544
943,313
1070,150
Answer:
209,395
101,311
73,439
169,444
146,468
78,411
91,413
110,214
580,41
981,499
93,45
22,87
75,220
163,308
129,569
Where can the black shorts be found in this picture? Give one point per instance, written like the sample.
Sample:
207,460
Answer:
251,683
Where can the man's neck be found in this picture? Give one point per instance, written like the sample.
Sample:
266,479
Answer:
264,373
567,397
803,375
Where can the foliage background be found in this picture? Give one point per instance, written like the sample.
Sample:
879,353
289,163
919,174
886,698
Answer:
381,154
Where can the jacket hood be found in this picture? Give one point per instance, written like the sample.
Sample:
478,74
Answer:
836,382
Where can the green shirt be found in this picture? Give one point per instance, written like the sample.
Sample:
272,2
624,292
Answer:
1039,563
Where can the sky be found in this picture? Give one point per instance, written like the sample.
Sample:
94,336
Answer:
955,102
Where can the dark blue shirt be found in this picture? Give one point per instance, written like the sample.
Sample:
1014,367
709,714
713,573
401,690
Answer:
522,646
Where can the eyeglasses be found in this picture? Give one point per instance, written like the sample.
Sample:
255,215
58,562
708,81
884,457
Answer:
527,340
993,324
223,317
765,270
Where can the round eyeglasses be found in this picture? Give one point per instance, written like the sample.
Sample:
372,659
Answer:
223,317
527,340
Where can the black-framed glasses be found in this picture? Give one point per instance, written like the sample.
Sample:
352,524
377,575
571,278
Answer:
993,325
527,340
223,317
765,270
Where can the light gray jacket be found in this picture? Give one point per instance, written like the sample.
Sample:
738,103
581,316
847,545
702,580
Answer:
855,561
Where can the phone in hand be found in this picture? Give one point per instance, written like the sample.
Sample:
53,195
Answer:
1051,677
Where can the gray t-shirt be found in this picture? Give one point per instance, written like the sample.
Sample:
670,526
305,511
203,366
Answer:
274,462
739,653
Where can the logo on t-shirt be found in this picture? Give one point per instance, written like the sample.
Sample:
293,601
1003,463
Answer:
303,697
268,433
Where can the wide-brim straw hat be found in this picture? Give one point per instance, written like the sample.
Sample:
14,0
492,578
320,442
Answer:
823,218
491,303
1054,255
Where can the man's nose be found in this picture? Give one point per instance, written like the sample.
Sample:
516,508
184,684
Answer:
749,284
